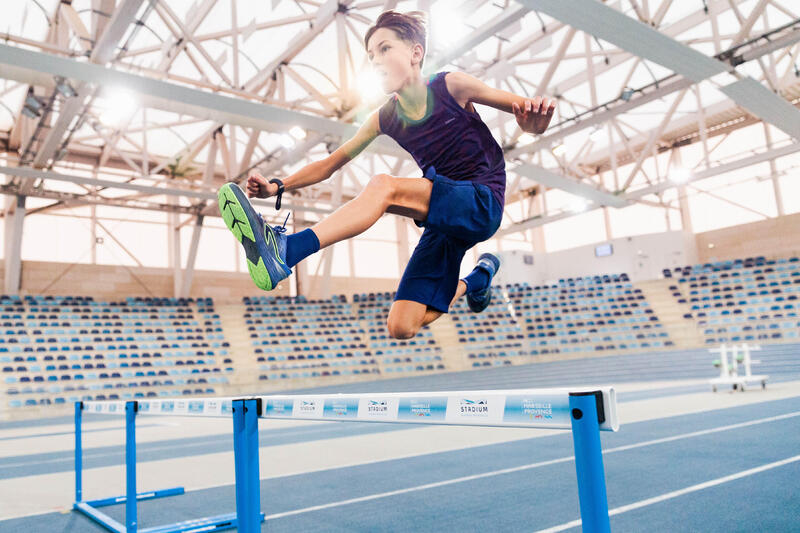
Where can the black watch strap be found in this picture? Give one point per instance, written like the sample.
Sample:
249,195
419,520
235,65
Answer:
280,192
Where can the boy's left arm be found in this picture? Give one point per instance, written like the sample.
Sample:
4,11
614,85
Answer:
533,114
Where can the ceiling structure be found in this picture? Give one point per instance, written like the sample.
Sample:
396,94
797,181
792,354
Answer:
149,104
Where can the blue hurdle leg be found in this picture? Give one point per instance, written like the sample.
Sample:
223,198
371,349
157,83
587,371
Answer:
589,462
253,474
130,466
245,450
78,452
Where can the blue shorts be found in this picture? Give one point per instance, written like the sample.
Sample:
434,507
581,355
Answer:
460,215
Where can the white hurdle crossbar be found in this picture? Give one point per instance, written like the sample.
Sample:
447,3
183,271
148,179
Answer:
584,411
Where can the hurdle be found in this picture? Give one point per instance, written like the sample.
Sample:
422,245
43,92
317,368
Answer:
209,407
585,412
729,372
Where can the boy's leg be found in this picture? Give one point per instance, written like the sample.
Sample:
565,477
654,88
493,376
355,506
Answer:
271,254
407,317
408,197
433,314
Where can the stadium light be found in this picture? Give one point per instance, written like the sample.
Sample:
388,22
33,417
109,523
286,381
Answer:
297,132
578,206
286,140
679,175
118,105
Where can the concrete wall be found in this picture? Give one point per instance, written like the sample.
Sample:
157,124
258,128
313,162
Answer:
118,282
775,237
641,257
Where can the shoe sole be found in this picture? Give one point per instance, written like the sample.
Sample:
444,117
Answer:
239,223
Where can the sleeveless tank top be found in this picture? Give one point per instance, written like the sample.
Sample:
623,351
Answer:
453,140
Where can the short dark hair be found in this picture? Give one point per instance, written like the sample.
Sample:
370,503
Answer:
409,27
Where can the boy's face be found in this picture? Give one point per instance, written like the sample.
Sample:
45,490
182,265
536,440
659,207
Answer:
392,58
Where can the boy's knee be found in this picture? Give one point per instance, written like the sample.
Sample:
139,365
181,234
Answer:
401,330
382,185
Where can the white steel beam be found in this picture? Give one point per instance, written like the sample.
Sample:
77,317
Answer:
32,173
38,68
571,185
101,54
648,43
208,175
13,248
718,169
325,15
489,29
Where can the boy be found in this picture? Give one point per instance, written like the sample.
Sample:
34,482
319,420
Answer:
459,202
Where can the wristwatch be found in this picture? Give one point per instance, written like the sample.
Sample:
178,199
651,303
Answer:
280,192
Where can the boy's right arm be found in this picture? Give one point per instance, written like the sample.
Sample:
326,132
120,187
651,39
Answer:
258,186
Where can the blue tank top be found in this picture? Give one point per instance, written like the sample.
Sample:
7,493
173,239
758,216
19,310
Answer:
454,140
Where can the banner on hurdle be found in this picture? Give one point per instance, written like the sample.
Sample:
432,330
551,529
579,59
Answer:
535,408
209,407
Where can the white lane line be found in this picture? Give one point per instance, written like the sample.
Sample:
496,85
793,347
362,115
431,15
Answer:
680,492
418,487
529,466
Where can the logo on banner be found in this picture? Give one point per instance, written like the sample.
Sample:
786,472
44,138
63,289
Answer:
537,410
422,409
339,408
544,409
378,407
279,408
227,407
308,406
144,407
196,406
469,407
167,406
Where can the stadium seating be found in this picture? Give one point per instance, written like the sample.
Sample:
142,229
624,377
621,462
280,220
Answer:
60,349
752,299
55,350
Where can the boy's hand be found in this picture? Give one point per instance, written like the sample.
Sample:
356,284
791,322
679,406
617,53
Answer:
534,115
259,187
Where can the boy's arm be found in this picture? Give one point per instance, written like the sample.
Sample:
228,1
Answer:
533,114
259,186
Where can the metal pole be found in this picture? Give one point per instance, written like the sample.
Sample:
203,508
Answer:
245,450
589,461
78,453
238,462
130,466
254,479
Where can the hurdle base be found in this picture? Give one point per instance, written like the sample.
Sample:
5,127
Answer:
99,517
139,497
211,523
739,382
